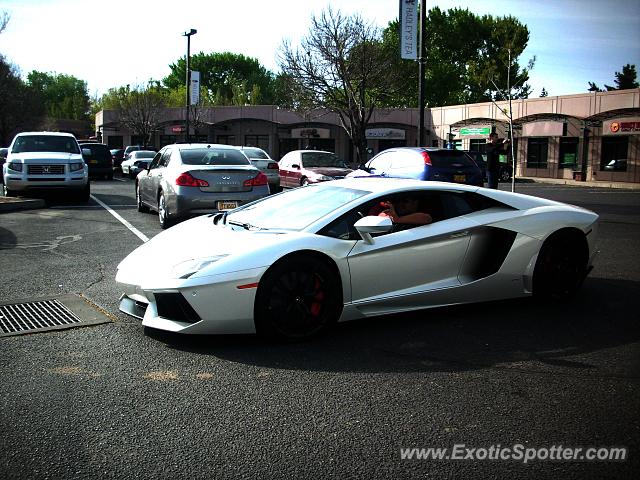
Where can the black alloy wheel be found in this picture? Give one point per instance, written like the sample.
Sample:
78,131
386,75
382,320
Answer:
298,298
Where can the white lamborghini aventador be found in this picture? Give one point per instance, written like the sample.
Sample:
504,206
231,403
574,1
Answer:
291,265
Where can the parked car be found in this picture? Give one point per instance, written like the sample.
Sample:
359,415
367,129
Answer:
261,160
138,166
3,156
134,157
292,265
506,169
98,157
45,161
117,155
302,167
617,165
422,163
184,180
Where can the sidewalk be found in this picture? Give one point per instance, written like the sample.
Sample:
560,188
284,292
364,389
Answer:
564,181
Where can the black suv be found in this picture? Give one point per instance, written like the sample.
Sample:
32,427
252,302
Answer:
97,156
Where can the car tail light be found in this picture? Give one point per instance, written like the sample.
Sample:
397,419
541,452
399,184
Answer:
272,166
426,158
258,180
187,180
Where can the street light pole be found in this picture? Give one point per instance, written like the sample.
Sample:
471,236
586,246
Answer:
188,81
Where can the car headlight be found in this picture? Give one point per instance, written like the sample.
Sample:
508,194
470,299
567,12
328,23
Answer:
15,166
188,268
74,167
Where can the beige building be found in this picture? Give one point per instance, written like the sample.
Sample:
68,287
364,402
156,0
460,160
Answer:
593,136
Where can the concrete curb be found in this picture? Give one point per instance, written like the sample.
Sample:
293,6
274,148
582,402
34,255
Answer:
14,204
564,181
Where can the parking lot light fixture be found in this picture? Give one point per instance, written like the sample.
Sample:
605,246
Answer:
188,34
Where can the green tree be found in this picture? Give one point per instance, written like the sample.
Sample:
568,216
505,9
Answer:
625,79
140,107
64,96
465,55
342,66
21,107
223,75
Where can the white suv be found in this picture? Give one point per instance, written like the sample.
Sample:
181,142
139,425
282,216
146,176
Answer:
45,160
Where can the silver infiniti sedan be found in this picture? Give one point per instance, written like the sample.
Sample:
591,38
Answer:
186,180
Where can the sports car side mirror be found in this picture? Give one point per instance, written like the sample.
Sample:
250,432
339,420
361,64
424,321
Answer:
368,225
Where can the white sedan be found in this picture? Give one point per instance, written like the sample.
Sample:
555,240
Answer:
291,265
132,158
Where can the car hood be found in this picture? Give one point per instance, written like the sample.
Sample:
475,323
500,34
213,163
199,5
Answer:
329,171
39,157
194,239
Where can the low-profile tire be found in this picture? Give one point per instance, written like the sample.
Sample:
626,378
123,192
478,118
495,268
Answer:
298,298
141,206
560,268
163,215
304,181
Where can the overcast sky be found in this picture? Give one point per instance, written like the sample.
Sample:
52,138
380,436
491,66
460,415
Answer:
117,42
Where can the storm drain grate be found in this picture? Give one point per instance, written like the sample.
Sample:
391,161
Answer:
25,317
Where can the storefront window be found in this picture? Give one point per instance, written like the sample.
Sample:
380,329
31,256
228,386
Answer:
477,145
167,140
614,154
568,153
537,152
226,139
260,141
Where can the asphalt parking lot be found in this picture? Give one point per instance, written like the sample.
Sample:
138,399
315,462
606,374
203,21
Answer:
113,401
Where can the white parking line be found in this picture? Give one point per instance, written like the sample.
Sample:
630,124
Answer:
136,232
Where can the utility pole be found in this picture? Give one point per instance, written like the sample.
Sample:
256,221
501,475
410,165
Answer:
421,61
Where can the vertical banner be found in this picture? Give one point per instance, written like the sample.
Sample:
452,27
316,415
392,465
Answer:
408,29
194,88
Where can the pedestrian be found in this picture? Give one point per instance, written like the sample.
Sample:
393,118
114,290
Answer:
494,150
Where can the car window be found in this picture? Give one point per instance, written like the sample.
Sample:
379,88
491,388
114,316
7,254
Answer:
298,209
381,162
166,157
322,159
143,154
445,158
97,150
45,143
255,153
213,156
155,163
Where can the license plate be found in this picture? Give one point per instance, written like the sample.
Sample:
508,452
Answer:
93,162
227,205
459,178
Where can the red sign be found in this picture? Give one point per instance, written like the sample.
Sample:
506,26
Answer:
178,129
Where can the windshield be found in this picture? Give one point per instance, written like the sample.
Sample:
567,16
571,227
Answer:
322,159
255,153
213,156
143,154
45,143
296,209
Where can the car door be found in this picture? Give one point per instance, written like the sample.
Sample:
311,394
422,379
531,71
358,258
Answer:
148,182
414,262
286,170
